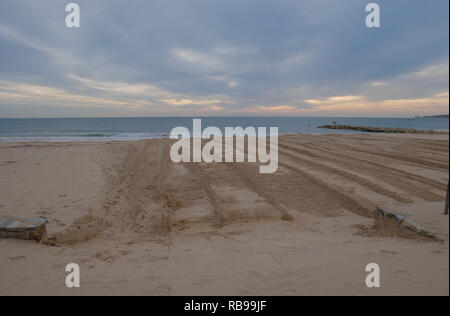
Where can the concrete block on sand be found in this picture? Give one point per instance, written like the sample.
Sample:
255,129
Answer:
28,228
414,221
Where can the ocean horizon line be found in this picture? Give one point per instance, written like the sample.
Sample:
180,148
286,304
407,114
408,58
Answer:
224,116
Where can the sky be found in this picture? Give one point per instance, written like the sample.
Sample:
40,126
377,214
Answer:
223,58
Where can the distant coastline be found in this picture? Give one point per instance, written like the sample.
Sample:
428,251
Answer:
437,116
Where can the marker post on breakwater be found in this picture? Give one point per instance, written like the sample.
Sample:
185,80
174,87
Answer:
446,201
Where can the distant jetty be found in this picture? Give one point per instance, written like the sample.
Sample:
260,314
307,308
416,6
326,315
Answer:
396,130
445,116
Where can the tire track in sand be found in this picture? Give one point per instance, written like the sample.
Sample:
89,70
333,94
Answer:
219,218
333,194
399,157
376,171
376,168
137,200
344,174
249,180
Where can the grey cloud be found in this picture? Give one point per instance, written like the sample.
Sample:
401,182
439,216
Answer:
256,52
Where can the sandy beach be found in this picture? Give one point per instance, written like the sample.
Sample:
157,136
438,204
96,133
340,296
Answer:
138,224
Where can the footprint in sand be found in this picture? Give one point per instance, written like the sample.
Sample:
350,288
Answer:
9,162
402,273
389,252
162,290
105,256
17,258
125,252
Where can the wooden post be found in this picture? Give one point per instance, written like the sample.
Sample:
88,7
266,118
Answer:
446,202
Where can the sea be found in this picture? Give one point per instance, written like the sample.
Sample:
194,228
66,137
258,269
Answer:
109,129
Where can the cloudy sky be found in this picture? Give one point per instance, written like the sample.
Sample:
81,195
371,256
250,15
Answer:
223,57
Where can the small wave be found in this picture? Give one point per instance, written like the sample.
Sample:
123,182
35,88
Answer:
80,138
92,135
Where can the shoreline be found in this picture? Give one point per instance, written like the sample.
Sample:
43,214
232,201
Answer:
125,129
355,131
